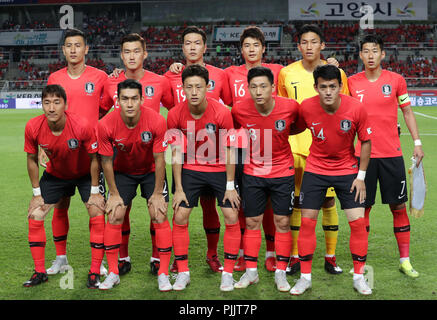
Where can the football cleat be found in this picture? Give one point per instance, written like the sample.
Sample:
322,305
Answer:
154,266
214,264
362,286
300,287
331,266
240,265
111,280
407,268
270,264
227,282
124,267
36,279
182,281
93,281
58,265
103,270
248,278
293,266
174,267
164,284
281,281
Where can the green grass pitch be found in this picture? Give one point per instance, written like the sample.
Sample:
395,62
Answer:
389,284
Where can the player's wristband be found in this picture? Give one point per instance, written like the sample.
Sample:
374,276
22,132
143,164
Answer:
230,185
36,191
95,190
417,142
361,175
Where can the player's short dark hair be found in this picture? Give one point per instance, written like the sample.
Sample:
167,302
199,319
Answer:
260,72
195,70
74,33
327,72
194,29
253,32
133,37
372,38
130,84
54,90
310,28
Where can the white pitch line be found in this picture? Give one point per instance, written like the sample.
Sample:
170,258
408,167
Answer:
425,115
421,134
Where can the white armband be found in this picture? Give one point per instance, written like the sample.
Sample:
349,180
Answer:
36,191
417,142
95,189
361,175
230,185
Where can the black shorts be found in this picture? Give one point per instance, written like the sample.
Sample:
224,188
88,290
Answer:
53,188
195,183
314,186
256,191
102,184
390,172
127,185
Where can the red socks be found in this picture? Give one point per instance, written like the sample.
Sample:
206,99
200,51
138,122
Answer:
60,226
306,243
231,245
367,218
37,244
252,244
164,243
125,234
401,228
181,242
211,224
358,244
112,245
269,229
242,221
283,242
97,235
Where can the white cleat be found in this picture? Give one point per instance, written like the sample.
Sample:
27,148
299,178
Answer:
164,283
281,281
103,270
182,281
300,287
248,278
227,283
111,280
58,265
362,286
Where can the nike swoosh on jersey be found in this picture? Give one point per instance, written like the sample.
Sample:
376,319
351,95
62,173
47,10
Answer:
118,140
238,80
295,82
251,125
358,91
315,124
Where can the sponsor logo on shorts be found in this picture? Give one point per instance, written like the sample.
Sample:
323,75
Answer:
146,136
149,91
211,128
94,146
89,87
73,143
345,125
386,89
280,125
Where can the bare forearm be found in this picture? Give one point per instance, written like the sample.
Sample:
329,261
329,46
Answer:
108,171
410,121
159,172
33,170
365,154
230,164
94,170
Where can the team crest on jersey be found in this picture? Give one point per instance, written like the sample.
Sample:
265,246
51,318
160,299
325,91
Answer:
280,125
386,89
210,128
146,136
211,85
345,125
89,87
149,91
73,143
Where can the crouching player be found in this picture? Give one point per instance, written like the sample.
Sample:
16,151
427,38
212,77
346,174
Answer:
268,171
71,146
137,133
333,119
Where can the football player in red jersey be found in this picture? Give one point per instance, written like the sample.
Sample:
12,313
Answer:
71,145
84,86
207,164
137,134
383,92
334,120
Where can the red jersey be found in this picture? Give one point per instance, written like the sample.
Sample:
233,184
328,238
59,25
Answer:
135,147
205,137
218,81
83,93
333,135
68,152
381,99
156,89
237,76
270,154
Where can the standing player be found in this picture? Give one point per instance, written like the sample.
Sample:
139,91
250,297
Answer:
334,120
71,146
382,92
296,81
202,121
193,48
84,86
156,90
253,46
268,173
138,135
